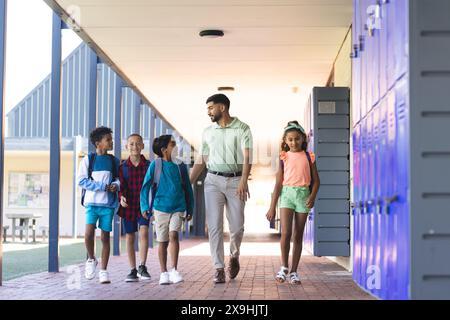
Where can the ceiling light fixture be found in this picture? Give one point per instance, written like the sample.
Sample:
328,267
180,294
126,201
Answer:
225,89
211,33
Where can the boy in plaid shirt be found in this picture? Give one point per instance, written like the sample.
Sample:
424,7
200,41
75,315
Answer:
131,174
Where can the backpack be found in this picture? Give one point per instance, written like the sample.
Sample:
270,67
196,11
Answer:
157,176
91,157
308,156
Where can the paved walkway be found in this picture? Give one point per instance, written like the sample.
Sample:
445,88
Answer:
321,279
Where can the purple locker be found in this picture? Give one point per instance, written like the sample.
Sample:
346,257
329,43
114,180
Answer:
402,167
376,193
383,49
402,45
384,176
370,196
356,200
374,38
391,206
391,43
364,198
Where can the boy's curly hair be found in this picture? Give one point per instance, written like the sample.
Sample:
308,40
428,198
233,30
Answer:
98,133
284,146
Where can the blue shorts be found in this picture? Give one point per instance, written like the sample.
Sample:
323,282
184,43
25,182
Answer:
133,226
103,215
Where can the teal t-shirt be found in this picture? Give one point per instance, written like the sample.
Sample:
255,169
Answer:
170,195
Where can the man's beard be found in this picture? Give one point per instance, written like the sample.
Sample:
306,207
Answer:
216,118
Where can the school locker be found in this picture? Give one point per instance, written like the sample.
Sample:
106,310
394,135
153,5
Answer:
329,223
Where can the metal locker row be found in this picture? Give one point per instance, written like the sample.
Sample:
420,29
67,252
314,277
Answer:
380,51
400,194
380,148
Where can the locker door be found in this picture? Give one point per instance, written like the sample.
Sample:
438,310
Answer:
357,203
383,49
370,196
384,176
374,39
376,194
391,205
331,145
364,197
401,31
403,256
391,43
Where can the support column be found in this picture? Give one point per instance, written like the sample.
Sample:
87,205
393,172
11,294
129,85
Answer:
117,152
2,116
55,146
92,106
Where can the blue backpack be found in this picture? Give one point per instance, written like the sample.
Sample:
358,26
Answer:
182,169
91,158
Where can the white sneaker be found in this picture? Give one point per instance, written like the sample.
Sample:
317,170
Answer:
175,276
89,271
164,278
103,277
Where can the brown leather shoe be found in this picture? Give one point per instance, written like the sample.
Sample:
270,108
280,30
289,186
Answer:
233,267
219,276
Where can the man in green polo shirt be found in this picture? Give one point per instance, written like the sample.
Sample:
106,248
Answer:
226,152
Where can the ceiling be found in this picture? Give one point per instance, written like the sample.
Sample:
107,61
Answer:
269,47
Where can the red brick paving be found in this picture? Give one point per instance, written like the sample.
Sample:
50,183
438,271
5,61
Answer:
255,281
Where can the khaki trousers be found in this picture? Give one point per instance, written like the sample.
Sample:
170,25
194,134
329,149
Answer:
220,192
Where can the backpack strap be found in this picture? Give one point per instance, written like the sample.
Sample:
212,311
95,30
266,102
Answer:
308,156
91,160
125,170
154,186
113,166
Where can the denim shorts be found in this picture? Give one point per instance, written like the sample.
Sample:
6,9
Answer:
295,198
103,215
133,226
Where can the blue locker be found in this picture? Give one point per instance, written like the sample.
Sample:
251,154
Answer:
383,49
374,39
357,203
391,43
391,206
370,194
401,27
364,198
384,176
402,167
376,193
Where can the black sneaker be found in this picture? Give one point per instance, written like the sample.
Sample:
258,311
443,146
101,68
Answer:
132,277
142,273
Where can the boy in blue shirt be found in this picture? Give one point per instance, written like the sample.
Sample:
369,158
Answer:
98,177
172,198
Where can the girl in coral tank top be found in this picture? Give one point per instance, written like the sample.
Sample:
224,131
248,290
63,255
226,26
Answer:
297,184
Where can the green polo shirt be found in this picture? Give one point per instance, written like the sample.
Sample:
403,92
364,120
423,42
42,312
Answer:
224,146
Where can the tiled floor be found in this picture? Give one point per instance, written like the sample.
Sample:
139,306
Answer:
321,279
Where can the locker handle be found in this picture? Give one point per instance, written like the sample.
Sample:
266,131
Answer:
378,206
388,201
